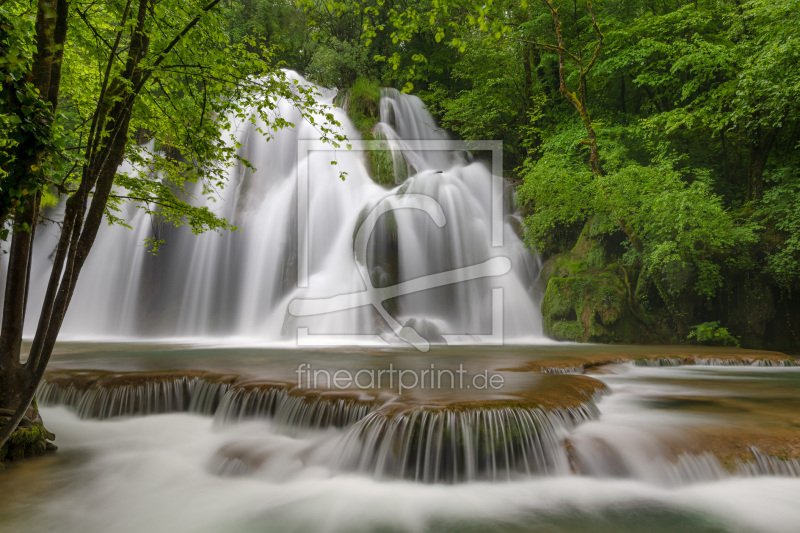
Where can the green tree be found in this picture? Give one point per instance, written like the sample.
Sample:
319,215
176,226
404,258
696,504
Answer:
131,69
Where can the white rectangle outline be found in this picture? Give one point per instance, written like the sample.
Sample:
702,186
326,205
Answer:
305,146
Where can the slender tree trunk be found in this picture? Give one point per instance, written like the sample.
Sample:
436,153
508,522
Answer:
51,29
591,141
528,74
19,259
15,378
45,61
759,152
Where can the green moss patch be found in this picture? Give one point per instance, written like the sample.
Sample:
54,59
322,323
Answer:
362,103
29,440
587,298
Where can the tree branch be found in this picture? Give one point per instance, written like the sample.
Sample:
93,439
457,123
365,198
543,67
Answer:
599,37
163,54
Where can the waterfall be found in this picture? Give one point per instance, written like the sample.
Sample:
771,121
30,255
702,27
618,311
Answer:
241,284
108,396
449,445
98,395
381,436
386,436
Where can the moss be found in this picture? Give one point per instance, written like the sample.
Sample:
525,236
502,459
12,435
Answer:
552,391
585,307
566,330
26,441
580,360
587,297
364,125
380,163
83,380
364,98
362,103
584,255
734,446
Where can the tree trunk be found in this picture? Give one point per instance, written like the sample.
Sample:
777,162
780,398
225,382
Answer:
528,74
759,152
16,378
591,142
17,277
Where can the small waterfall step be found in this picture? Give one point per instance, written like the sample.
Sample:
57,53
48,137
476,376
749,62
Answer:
229,398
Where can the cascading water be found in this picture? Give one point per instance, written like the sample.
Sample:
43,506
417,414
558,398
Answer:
241,284
451,445
547,452
386,435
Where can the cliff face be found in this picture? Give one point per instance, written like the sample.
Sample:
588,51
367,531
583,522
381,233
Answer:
591,296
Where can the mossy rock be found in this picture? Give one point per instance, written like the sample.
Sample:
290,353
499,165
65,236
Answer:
362,103
586,255
586,297
586,307
380,163
29,440
364,98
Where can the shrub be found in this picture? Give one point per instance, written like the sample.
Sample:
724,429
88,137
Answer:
712,334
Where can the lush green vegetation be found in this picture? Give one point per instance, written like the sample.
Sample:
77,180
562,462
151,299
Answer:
655,147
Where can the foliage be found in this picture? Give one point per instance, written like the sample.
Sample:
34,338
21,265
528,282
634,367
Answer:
190,109
337,64
557,187
711,333
688,237
486,99
362,102
781,210
694,105
279,24
129,71
27,136
364,98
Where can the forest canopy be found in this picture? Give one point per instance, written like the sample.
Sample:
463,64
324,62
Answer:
654,146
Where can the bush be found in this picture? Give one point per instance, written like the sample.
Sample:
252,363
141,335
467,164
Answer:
337,63
712,334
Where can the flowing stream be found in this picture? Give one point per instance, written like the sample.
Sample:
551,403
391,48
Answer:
231,460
